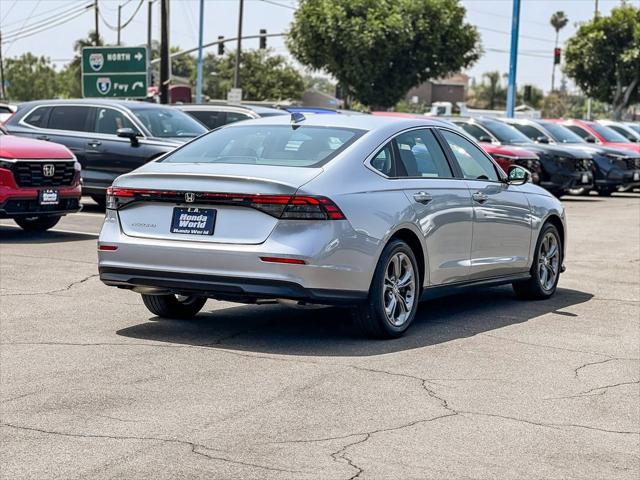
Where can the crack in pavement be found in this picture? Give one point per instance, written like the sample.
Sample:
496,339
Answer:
52,292
584,365
195,447
541,345
589,393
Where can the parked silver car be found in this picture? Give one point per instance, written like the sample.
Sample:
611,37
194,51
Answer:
370,212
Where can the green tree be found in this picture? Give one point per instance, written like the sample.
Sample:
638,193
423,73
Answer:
264,76
30,78
490,93
558,21
379,49
603,58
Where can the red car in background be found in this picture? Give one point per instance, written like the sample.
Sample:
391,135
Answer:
504,155
594,132
39,182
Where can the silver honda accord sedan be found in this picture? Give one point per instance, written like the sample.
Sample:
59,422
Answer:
373,213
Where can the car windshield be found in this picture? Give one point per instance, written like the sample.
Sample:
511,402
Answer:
168,123
560,133
505,133
607,134
634,127
283,145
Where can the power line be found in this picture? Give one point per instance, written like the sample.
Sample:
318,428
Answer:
23,24
9,10
125,24
40,23
49,26
40,14
279,4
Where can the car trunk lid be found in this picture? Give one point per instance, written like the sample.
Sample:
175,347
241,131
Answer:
207,202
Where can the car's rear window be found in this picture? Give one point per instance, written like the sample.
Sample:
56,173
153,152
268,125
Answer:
278,145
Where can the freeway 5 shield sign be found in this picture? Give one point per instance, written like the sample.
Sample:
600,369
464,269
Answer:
124,85
114,72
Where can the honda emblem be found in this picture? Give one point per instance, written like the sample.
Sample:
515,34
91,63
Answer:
48,169
189,197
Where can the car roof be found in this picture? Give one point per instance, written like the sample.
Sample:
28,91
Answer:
360,122
257,109
130,104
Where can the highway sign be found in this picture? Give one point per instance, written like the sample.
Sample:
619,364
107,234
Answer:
114,72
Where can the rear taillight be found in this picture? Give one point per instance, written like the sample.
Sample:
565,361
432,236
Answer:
290,207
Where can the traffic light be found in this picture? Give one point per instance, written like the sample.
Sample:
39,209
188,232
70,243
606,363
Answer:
527,93
220,45
263,39
556,55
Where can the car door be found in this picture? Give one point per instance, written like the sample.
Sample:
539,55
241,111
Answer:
441,202
68,125
502,216
109,155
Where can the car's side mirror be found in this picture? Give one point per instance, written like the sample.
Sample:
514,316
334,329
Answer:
518,175
591,139
484,139
129,133
542,139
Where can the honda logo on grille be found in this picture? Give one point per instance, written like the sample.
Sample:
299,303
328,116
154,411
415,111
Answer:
189,197
48,169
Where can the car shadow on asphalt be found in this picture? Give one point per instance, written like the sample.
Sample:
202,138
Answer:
276,329
15,235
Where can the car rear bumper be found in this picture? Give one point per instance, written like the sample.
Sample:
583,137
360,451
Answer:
339,262
222,287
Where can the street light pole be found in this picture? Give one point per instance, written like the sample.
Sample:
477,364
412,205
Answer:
119,17
236,75
513,60
589,106
199,66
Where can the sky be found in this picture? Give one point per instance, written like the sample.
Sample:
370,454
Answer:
491,17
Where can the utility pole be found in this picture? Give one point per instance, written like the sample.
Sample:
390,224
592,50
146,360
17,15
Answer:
199,66
149,18
119,23
513,61
165,61
97,21
236,75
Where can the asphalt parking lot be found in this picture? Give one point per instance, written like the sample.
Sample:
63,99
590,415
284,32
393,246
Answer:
482,386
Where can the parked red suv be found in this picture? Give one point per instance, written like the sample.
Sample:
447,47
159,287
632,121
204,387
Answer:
594,132
39,182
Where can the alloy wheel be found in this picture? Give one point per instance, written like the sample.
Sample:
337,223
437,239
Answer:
548,261
399,292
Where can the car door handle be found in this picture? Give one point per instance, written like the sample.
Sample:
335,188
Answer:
422,197
94,143
480,197
43,137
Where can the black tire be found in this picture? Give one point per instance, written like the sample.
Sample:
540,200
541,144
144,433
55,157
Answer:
532,289
370,317
101,200
606,192
36,224
171,306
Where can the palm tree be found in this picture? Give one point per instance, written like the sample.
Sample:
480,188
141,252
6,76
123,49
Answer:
558,21
493,92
